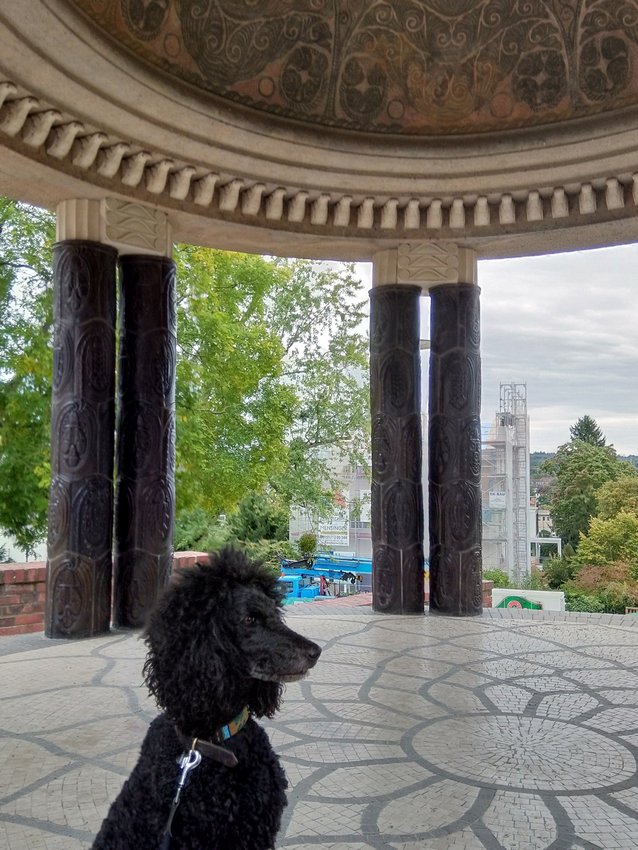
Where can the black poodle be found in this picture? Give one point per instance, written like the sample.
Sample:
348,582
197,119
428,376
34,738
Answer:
219,653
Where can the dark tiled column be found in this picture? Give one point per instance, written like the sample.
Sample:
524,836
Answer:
145,497
78,600
397,496
455,450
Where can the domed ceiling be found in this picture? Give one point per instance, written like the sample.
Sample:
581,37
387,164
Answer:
418,67
331,128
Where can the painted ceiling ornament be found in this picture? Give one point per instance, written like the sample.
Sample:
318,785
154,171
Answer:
424,67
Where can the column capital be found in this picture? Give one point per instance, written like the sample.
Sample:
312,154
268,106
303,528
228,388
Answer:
425,264
132,228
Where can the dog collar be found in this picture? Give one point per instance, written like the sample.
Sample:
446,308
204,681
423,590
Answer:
232,728
213,750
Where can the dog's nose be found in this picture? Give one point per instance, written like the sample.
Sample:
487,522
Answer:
314,651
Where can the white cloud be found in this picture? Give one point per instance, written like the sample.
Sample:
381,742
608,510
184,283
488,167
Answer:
567,326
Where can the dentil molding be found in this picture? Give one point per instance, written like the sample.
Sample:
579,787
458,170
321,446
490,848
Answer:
226,178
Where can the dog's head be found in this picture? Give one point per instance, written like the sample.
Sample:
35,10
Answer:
217,642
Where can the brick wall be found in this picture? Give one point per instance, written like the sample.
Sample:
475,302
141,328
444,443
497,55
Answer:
188,559
488,586
22,589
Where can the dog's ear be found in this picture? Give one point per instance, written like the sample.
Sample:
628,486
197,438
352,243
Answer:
190,652
265,698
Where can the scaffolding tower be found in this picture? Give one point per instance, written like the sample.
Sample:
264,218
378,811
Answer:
505,486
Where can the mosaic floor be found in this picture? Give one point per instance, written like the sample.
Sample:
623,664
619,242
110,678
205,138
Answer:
411,733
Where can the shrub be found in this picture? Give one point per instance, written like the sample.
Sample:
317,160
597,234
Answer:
535,581
198,531
616,596
499,577
307,545
259,517
269,551
612,588
583,602
557,571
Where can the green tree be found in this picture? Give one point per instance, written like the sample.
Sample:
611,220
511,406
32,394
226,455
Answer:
319,317
196,530
499,577
558,571
580,469
232,407
307,545
26,236
609,541
619,495
269,378
259,517
587,431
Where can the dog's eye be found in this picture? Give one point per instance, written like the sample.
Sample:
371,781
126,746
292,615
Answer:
249,620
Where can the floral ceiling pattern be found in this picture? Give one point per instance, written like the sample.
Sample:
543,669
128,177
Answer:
424,67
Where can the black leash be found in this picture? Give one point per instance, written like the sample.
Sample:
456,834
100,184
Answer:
188,761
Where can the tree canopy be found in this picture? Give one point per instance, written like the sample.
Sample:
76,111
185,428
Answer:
594,503
233,409
587,431
271,377
580,469
609,541
618,495
26,237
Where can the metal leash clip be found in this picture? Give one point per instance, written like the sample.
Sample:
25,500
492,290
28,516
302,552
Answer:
187,762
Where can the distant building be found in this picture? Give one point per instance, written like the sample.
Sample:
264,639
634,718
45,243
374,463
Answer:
541,521
544,520
348,529
505,483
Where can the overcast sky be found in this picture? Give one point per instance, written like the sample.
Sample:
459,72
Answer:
567,326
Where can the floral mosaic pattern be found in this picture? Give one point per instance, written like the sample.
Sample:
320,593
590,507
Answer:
415,66
412,733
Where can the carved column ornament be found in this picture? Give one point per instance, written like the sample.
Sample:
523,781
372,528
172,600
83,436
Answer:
425,264
78,602
455,451
145,497
397,497
130,227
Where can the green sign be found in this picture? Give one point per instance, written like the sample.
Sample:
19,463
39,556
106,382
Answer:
518,602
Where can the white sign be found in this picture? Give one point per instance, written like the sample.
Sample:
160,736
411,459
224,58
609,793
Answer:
497,499
336,530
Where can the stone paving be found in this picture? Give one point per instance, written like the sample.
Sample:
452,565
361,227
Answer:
412,733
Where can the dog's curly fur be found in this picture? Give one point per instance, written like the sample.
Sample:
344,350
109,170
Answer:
217,642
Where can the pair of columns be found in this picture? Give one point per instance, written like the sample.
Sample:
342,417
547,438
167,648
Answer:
447,273
111,502
111,506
